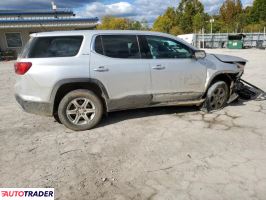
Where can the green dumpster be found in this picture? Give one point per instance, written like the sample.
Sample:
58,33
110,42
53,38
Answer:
235,41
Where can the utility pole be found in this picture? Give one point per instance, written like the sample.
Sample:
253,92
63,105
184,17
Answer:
211,21
264,38
203,37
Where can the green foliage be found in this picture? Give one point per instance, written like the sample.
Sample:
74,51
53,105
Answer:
176,30
198,22
190,17
258,11
190,12
116,23
231,14
166,22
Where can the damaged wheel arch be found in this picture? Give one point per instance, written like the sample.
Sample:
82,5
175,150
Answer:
228,78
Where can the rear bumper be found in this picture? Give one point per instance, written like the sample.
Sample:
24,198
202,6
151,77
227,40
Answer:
39,108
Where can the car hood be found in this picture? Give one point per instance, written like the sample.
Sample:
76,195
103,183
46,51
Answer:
229,59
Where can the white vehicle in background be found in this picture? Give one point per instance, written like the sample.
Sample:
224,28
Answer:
189,38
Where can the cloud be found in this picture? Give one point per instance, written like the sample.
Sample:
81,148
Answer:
99,9
137,9
150,10
212,6
119,8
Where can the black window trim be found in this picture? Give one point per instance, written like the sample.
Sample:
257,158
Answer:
118,34
142,45
50,36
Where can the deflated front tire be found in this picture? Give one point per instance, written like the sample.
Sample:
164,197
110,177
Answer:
217,96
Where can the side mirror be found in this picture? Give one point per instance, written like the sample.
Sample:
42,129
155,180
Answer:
199,54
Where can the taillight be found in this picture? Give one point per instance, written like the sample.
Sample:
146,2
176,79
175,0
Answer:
22,67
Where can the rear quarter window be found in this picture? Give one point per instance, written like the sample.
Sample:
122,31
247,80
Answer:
47,47
117,46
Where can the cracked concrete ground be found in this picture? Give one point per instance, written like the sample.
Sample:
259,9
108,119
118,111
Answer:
165,153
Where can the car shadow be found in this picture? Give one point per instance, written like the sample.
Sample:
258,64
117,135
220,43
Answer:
119,116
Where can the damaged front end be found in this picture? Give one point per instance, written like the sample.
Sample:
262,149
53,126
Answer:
243,89
247,91
240,88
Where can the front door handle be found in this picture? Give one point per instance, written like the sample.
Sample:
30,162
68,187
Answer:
158,67
101,69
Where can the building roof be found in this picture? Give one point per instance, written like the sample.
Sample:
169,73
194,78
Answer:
19,13
51,20
43,18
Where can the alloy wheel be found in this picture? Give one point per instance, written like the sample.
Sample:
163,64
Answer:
218,98
80,111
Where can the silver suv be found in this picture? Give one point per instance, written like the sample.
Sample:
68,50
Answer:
77,76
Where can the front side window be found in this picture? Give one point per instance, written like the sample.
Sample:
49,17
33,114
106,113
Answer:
13,40
166,48
46,47
117,46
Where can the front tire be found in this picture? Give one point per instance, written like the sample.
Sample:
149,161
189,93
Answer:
217,96
80,110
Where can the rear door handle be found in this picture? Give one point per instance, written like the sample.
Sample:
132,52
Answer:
158,67
101,69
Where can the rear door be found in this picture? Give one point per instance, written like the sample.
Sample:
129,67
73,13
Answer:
175,74
115,61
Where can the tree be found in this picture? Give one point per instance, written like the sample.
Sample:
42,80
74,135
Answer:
118,23
176,30
231,14
162,24
165,22
144,24
136,25
113,23
189,16
255,16
186,14
227,13
258,12
198,22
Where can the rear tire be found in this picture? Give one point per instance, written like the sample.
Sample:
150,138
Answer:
80,110
217,96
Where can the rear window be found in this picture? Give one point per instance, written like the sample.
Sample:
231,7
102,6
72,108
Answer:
47,47
117,46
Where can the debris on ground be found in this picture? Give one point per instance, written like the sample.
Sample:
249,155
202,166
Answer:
248,91
243,91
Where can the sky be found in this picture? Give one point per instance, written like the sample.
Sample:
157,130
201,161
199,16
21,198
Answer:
136,9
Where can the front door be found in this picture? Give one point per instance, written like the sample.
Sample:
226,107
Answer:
175,74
